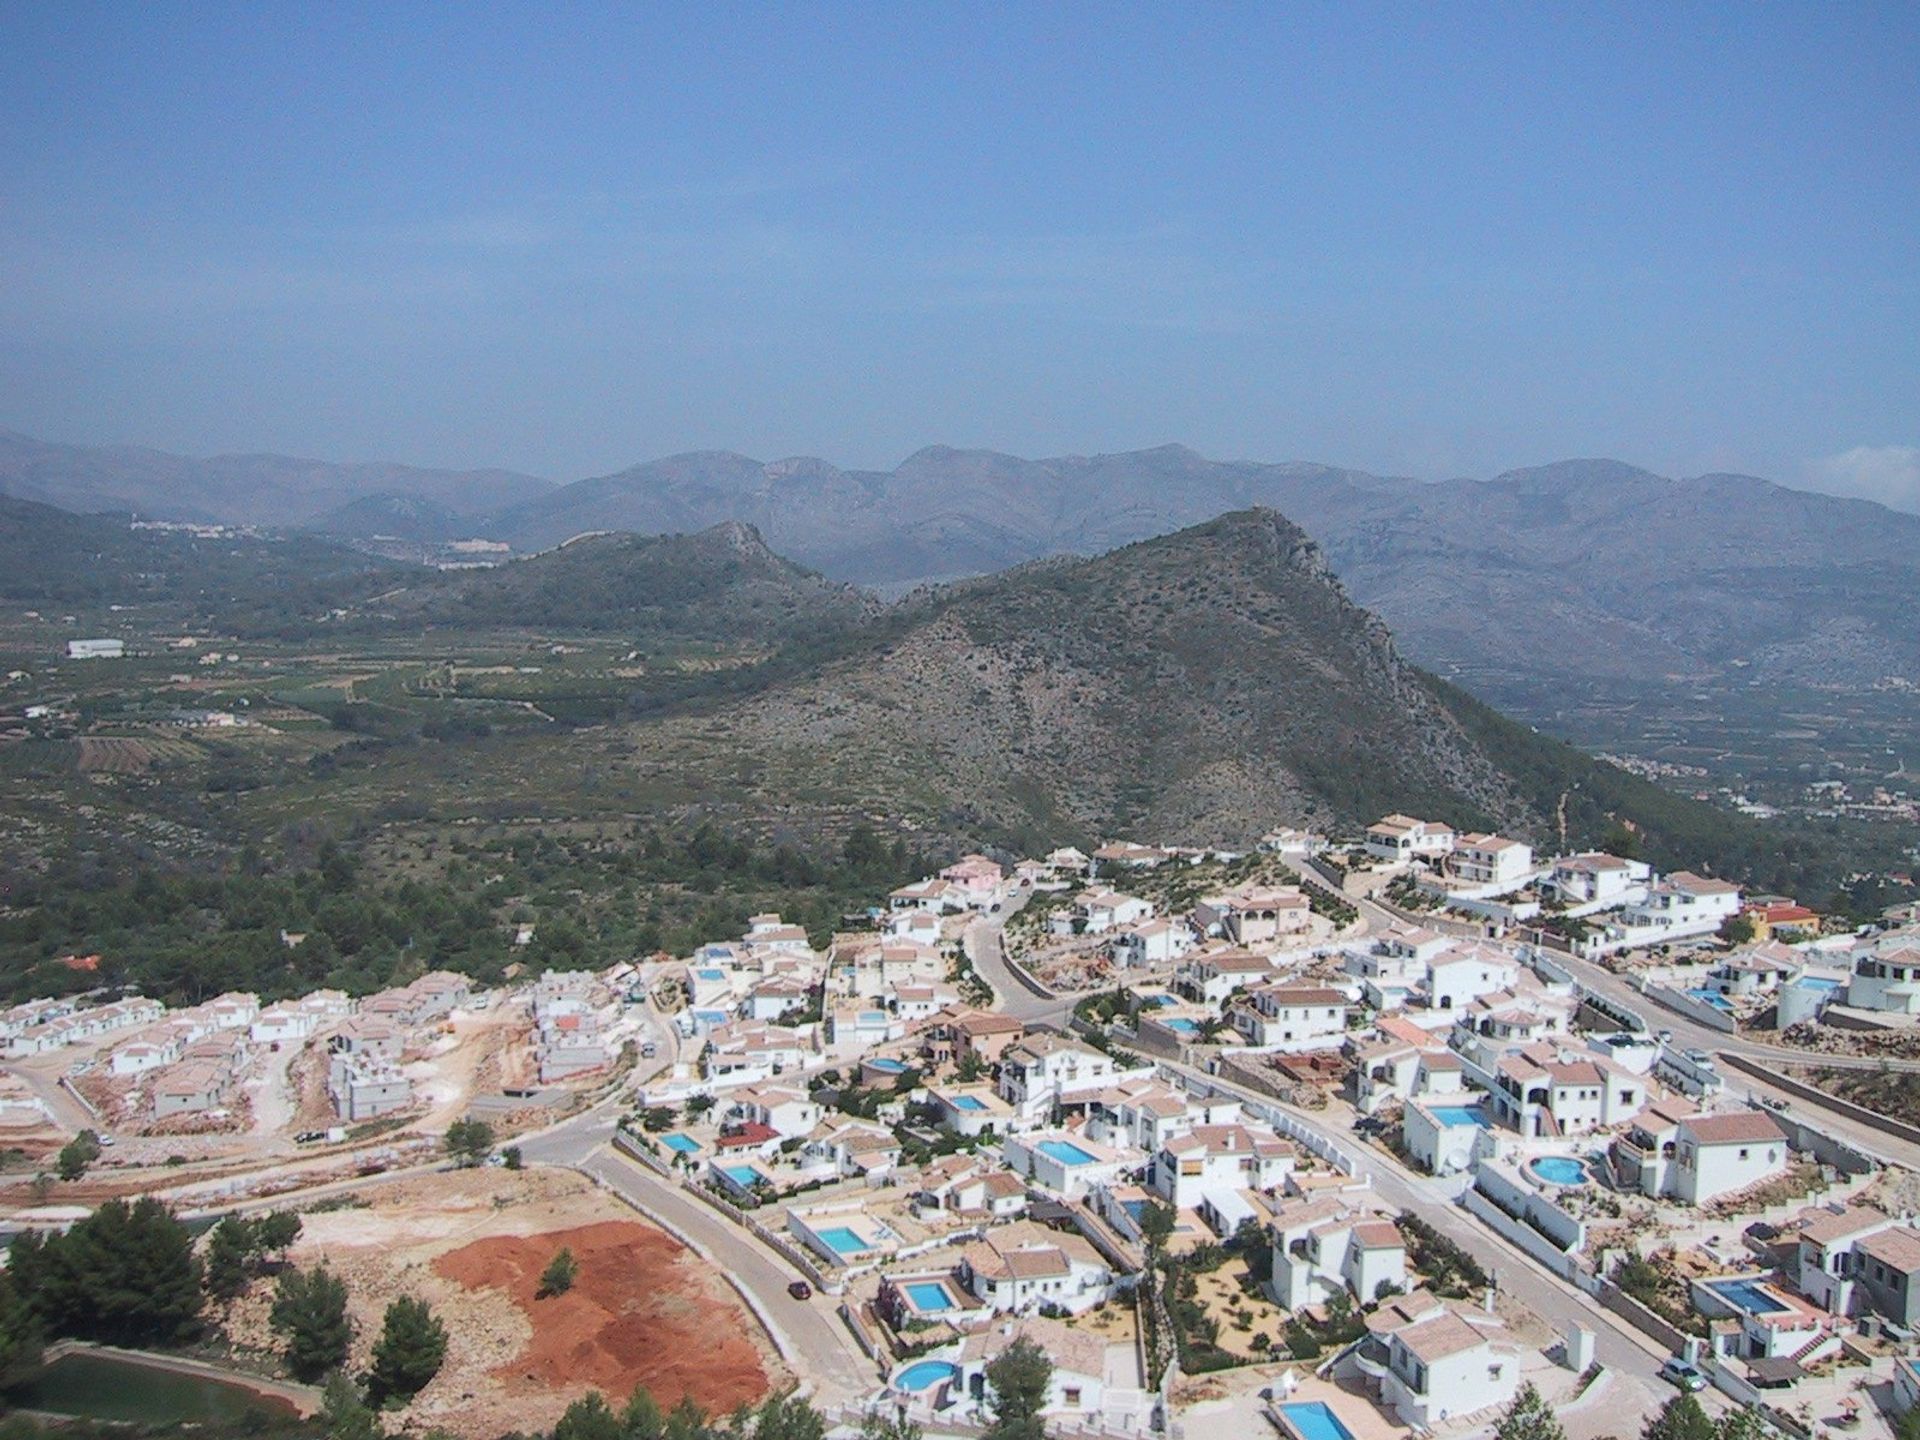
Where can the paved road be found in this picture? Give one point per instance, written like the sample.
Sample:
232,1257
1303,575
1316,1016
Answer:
810,1333
985,944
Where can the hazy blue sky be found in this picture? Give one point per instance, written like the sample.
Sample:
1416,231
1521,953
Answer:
1433,240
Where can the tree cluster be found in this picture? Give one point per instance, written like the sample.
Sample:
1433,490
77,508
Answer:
126,1275
240,1248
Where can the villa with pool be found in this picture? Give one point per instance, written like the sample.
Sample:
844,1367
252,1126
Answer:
1095,1385
1066,1162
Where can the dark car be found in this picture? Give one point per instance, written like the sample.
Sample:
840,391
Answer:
800,1290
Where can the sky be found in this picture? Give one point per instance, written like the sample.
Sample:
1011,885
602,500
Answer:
1430,240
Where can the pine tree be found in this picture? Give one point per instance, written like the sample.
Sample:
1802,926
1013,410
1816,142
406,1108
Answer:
229,1261
1018,1378
469,1141
1682,1419
19,1332
77,1154
345,1415
276,1233
643,1419
125,1274
589,1418
412,1345
788,1417
559,1275
1744,1423
1528,1418
310,1310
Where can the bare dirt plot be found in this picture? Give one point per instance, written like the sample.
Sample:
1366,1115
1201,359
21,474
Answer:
644,1310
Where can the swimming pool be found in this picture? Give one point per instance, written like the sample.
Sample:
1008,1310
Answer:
968,1102
1746,1295
1182,1024
741,1175
1315,1420
885,1067
1452,1116
925,1374
685,1144
1066,1152
1819,982
713,974
842,1241
929,1296
1713,998
1559,1170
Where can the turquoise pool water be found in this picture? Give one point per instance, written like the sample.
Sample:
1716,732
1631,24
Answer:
1713,998
1182,1024
1559,1170
685,1144
1819,982
924,1374
1746,1295
1315,1420
713,974
968,1102
1066,1152
843,1241
743,1175
929,1296
1456,1115
886,1067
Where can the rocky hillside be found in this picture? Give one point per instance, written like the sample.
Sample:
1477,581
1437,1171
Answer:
722,584
1196,687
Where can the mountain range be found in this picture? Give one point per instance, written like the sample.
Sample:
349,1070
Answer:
1581,570
1198,686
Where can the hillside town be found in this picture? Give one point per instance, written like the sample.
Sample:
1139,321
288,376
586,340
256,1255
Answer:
1346,1139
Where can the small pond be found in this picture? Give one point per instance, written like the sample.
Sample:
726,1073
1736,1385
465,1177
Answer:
112,1387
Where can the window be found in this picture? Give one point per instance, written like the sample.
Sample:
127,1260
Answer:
1743,1152
1071,1395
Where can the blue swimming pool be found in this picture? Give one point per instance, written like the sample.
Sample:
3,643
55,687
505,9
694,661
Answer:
843,1241
1819,982
713,974
1713,998
711,1017
1746,1295
1182,1024
1456,1115
925,1374
886,1067
1066,1152
968,1102
742,1175
929,1296
685,1144
1315,1420
1559,1170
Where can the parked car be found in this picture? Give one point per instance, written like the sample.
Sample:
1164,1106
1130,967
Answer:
800,1290
1682,1373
